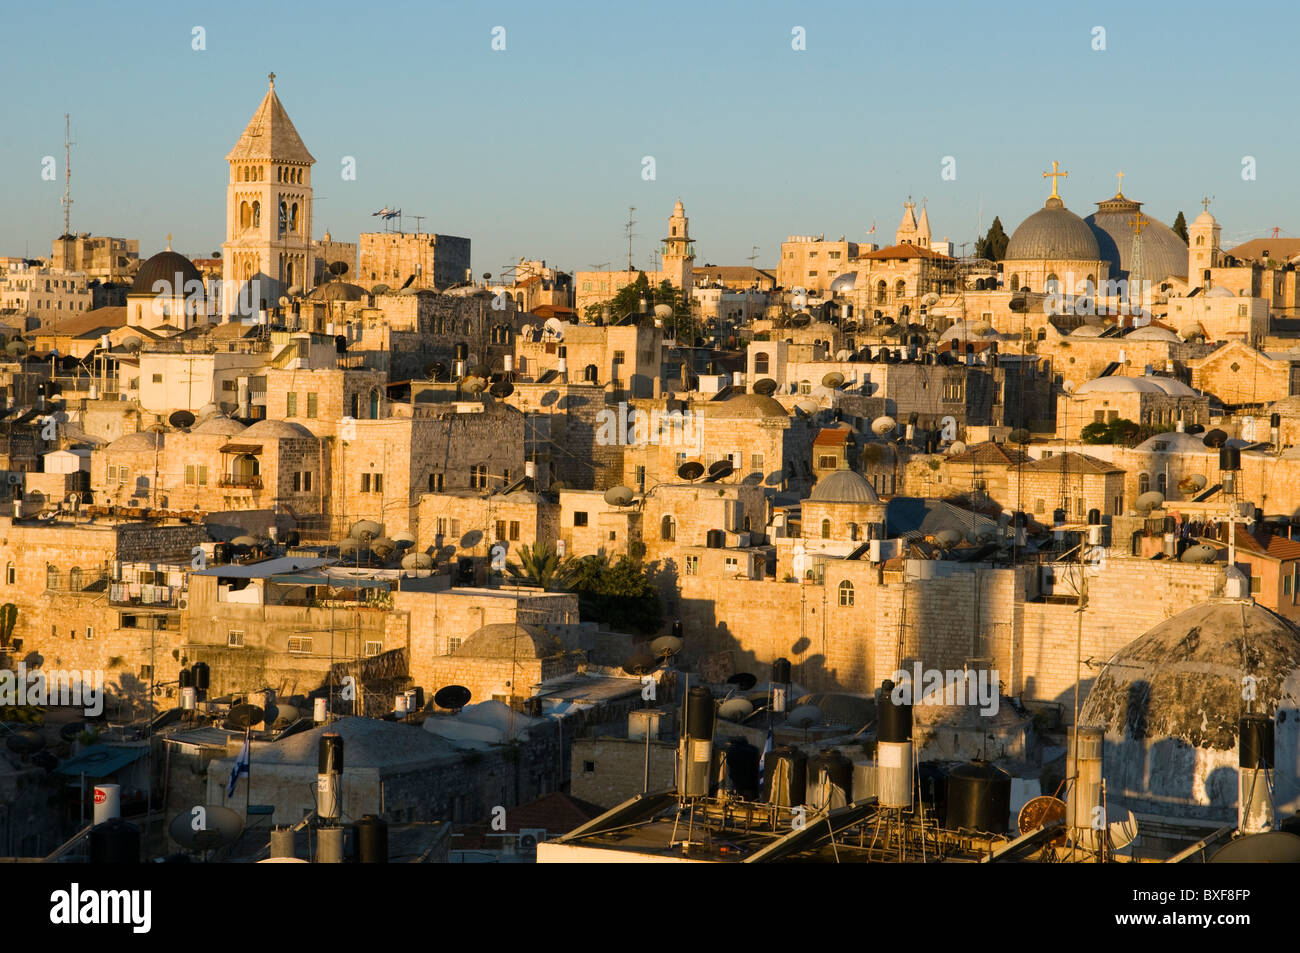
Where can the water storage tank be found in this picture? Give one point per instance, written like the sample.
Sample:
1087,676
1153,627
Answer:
895,724
785,776
781,671
894,747
1085,768
715,539
329,768
114,842
1229,458
202,676
830,780
979,798
107,800
697,742
370,840
1255,759
186,678
738,769
329,845
330,754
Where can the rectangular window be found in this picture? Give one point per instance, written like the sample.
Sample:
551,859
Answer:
692,565
157,378
1256,583
230,386
297,483
501,529
453,644
235,638
313,404
300,644
514,530
306,481
756,461
191,475
378,483
291,405
732,564
826,461
90,632
365,483
435,482
203,474
579,519
373,648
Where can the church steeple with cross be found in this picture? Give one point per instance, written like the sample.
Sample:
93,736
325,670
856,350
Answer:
268,251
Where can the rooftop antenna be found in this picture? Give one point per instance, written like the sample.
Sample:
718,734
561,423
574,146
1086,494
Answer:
418,220
753,255
67,174
630,222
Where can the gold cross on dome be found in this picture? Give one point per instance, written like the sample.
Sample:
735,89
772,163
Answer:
1205,203
1137,223
169,241
1119,188
1054,175
271,77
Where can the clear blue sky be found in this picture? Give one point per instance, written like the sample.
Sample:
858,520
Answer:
536,151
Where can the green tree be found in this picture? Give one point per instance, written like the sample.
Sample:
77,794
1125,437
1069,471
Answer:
540,565
619,594
993,246
627,301
1095,433
1180,226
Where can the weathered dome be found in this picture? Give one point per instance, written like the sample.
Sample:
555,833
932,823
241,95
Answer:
1163,252
174,270
1151,332
510,640
749,405
140,441
219,425
1174,442
844,486
1088,331
1169,703
1118,385
1053,233
275,430
337,291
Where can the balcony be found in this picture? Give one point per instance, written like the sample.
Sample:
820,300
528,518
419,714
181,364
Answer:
240,482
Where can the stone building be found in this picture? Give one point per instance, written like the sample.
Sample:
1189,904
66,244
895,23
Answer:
468,523
1073,482
504,661
1054,250
426,260
812,263
623,359
99,257
44,293
677,268
1149,401
1245,377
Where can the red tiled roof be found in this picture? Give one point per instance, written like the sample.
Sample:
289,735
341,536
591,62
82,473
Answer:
1271,546
905,251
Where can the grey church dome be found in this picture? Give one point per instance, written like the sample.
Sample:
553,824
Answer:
1163,252
1054,233
844,486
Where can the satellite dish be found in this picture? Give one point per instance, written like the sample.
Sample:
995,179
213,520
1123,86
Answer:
805,716
555,327
452,697
284,302
417,561
720,469
1270,847
957,447
742,680
348,545
242,717
181,420
666,646
1199,554
640,665
1040,811
619,496
285,715
501,389
1216,438
473,385
833,379
404,538
948,538
663,312
383,547
1195,482
379,290
246,541
765,386
883,425
736,709
808,408
216,826
691,470
365,530
844,354
930,299
1150,500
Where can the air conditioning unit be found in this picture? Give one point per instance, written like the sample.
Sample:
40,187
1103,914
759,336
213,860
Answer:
183,604
530,837
15,479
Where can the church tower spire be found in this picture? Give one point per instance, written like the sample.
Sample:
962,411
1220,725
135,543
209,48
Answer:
268,248
678,252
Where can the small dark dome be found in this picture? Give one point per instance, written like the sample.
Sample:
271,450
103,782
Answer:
1053,233
165,266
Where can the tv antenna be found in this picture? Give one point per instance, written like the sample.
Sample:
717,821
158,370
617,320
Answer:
67,174
753,255
630,222
418,220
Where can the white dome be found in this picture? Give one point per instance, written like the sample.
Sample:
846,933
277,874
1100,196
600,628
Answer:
1118,385
1152,333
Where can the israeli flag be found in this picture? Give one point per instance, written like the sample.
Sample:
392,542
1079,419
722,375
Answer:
241,767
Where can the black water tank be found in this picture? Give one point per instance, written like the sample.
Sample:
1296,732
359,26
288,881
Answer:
202,676
715,539
835,766
894,723
701,713
419,698
785,776
330,754
738,768
979,798
1256,741
781,671
370,840
1275,421
114,842
187,678
1229,458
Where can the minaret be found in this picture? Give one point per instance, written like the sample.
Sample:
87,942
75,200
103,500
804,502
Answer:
268,247
679,253
1203,250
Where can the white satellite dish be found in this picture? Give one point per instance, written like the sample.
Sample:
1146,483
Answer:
930,299
957,447
805,716
736,709
883,425
555,327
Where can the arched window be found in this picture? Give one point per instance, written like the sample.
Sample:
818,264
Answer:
826,529
846,594
284,216
668,528
900,288
1144,483
761,363
245,215
52,577
1015,282
853,531
882,290
10,575
590,373
74,578
1053,284
257,214
1042,334
1162,482
1200,239
293,217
